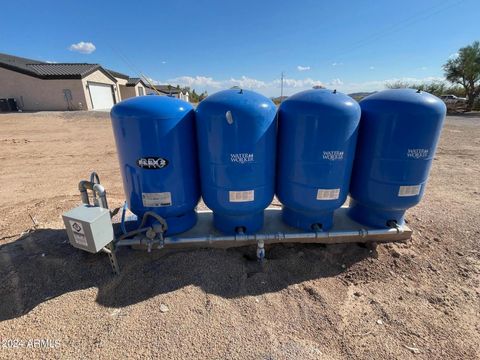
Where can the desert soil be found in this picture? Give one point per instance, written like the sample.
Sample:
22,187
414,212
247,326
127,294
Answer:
413,300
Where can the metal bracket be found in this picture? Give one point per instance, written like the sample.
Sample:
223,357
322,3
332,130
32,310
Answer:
110,250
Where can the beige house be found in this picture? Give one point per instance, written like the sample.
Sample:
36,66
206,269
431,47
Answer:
56,86
128,87
37,85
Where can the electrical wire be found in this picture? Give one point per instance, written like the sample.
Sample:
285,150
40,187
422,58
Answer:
401,25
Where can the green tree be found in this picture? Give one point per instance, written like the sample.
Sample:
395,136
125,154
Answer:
465,71
202,96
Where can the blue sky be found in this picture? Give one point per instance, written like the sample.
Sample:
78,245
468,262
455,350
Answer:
210,45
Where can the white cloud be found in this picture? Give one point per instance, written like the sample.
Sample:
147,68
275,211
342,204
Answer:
164,62
153,81
290,85
335,82
424,68
303,68
208,82
454,55
195,81
337,63
269,88
83,47
295,83
371,68
246,83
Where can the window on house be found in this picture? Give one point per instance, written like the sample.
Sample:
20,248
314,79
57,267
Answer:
141,91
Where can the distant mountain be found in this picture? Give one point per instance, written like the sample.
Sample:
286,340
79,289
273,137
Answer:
277,100
360,95
357,96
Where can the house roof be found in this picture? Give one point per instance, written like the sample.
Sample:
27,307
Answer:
63,69
118,74
44,70
166,89
16,61
133,81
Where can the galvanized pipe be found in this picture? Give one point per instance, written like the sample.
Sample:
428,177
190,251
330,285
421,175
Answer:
102,195
320,237
98,189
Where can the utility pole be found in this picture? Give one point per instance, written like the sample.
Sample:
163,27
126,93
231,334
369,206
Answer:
281,86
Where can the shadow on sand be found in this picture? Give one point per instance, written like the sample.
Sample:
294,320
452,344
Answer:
43,265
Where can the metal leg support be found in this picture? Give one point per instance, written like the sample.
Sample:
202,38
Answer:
110,250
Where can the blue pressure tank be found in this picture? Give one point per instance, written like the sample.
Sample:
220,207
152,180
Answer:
236,132
317,135
399,132
156,145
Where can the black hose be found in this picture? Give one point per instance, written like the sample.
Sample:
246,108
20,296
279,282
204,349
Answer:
94,179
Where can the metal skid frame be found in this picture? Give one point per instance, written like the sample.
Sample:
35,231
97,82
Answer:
274,231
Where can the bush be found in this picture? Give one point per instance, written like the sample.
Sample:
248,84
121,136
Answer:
437,88
476,105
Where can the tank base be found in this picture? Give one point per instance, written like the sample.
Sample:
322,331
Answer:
231,224
176,224
375,217
306,221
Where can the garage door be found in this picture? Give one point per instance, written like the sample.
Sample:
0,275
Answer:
101,95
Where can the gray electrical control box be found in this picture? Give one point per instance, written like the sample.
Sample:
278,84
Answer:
89,227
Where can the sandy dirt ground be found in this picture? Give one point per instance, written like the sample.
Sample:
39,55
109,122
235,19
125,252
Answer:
413,300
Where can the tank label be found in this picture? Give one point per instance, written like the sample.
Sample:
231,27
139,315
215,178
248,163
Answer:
413,190
417,153
241,158
333,155
328,194
241,196
152,163
78,233
157,199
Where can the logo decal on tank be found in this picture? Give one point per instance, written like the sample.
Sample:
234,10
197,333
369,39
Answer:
333,155
417,153
241,158
152,163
